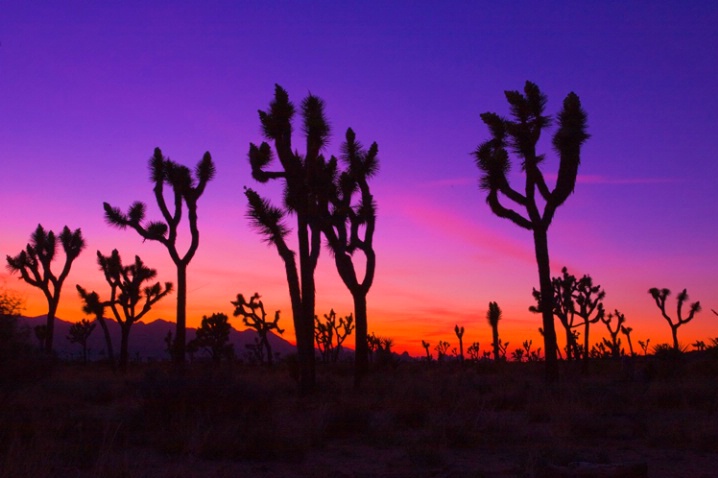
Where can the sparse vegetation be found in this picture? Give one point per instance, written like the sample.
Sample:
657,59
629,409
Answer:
427,420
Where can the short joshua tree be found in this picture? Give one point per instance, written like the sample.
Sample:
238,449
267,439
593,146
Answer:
660,296
254,316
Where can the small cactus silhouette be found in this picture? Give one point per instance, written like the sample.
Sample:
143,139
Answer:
426,346
493,316
473,351
627,332
459,331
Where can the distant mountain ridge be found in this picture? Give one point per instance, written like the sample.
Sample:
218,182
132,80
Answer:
147,340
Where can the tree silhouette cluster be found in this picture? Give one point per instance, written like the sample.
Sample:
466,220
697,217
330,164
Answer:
322,200
330,202
331,333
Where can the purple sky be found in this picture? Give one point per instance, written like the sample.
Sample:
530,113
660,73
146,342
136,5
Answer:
90,88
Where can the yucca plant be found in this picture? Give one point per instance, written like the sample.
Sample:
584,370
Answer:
35,267
130,299
660,296
349,225
520,135
305,188
185,189
493,316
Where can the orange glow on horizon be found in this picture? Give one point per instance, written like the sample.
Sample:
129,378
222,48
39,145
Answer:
407,332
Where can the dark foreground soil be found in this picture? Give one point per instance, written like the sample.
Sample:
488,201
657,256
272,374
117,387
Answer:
651,417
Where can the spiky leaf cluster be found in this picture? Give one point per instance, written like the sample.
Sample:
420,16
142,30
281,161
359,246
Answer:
130,298
519,135
186,187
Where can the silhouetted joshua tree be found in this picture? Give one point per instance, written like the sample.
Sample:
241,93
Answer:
129,299
520,135
442,348
426,346
614,345
713,310
627,332
459,331
644,345
494,316
93,305
349,227
185,189
34,266
305,187
79,333
474,352
660,296
254,316
213,336
330,335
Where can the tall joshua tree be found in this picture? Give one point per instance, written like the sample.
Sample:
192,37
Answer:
350,227
660,296
185,189
520,135
494,316
34,266
130,299
304,188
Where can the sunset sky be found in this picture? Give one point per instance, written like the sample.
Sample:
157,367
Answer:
89,89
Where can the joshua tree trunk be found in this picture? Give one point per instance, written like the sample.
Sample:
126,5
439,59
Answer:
124,344
674,333
361,358
50,324
178,348
495,336
549,331
305,346
108,340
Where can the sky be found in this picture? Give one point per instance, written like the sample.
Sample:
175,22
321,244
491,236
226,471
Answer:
89,89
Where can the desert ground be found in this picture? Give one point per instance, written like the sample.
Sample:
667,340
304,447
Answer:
647,416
